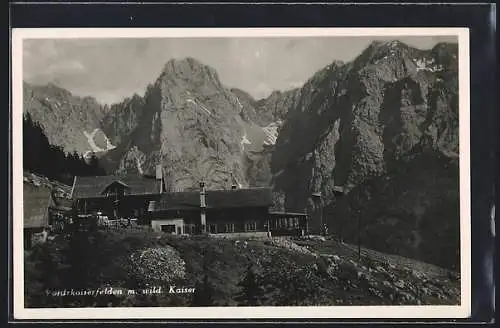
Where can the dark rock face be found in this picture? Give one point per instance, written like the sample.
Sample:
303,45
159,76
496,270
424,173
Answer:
122,118
267,110
275,107
304,149
360,122
412,211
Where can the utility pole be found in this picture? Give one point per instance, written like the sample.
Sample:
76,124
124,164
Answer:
203,207
318,207
359,233
323,230
159,177
359,212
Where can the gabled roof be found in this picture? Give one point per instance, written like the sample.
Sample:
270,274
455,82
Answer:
116,183
239,198
93,186
287,214
60,204
257,197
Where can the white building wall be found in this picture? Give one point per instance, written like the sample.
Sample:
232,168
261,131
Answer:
179,223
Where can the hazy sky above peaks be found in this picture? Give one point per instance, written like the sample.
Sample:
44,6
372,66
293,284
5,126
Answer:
111,69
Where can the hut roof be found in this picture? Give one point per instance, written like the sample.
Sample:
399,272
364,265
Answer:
35,206
60,204
115,184
93,186
256,197
287,214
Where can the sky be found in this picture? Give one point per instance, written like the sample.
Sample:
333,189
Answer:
112,69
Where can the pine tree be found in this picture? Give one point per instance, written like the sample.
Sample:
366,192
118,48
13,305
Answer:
204,291
39,156
203,294
252,293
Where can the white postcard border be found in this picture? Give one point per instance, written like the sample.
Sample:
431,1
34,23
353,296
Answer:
295,312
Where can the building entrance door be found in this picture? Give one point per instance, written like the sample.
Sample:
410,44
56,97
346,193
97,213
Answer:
169,228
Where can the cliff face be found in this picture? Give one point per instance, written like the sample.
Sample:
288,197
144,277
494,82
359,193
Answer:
306,140
195,127
412,211
359,122
191,125
122,118
69,121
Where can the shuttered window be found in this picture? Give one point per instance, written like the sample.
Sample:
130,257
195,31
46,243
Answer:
229,227
251,226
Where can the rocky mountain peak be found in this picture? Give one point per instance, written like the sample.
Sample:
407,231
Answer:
335,64
387,45
358,123
68,120
189,69
48,90
450,47
383,50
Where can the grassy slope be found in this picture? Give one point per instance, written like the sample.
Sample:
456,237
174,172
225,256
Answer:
287,277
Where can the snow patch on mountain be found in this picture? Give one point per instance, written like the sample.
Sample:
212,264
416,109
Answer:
109,146
91,140
192,101
279,173
88,154
424,64
271,132
238,101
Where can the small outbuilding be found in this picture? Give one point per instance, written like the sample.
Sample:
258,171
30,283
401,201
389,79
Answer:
36,202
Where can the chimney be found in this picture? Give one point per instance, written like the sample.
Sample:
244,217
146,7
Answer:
53,197
234,184
203,219
159,176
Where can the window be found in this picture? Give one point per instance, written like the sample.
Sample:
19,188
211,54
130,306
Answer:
229,227
251,226
190,229
169,228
